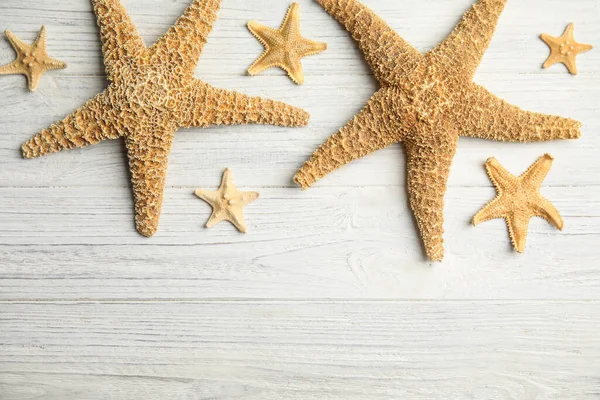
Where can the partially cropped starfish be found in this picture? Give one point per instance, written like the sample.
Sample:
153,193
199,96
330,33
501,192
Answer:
519,199
564,49
227,203
426,102
32,60
284,47
152,94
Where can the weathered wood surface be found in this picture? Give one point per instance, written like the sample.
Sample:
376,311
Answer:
301,349
91,310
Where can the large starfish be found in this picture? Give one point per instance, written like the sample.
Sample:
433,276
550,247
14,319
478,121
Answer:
152,94
426,102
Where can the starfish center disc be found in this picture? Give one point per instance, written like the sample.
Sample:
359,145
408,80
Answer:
566,49
150,90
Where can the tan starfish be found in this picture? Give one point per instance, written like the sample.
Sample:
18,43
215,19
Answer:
32,60
227,203
564,49
152,94
284,47
426,102
519,199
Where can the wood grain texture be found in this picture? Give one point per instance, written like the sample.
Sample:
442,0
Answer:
91,310
352,242
297,350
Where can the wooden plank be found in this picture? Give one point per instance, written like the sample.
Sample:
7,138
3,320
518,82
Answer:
298,350
324,243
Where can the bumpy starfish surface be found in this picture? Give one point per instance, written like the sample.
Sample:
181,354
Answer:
32,60
152,94
227,203
564,49
519,199
284,47
426,102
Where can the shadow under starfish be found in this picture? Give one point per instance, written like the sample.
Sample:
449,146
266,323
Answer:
152,94
427,101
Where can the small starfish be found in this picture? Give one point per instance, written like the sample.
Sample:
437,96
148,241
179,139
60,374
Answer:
152,94
284,47
227,203
519,199
427,101
32,60
564,49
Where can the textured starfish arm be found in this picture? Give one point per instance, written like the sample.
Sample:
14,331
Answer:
216,217
546,210
183,42
270,58
17,43
148,154
374,128
87,125
481,114
388,54
121,42
237,219
205,105
500,177
428,168
537,172
495,209
518,227
12,68
461,52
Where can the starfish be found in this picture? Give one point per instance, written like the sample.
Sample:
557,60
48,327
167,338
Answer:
227,203
564,49
519,199
32,60
152,94
284,47
426,101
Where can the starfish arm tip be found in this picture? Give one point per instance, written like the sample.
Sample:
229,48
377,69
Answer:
302,179
297,79
253,26
549,62
147,230
548,157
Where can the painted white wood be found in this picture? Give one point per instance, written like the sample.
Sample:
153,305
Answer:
91,310
342,243
297,350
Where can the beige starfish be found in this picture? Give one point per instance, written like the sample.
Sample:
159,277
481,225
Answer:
284,47
519,199
152,94
427,101
227,203
32,60
564,49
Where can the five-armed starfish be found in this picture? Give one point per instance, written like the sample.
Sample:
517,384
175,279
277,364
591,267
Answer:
426,102
519,199
152,94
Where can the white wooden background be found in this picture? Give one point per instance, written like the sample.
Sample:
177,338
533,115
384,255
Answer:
328,296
